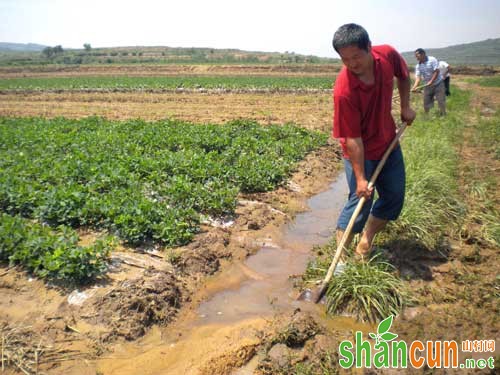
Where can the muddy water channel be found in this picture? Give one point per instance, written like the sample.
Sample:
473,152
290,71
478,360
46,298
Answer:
237,302
267,288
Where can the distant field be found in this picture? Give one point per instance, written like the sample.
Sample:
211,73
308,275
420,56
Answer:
487,81
166,83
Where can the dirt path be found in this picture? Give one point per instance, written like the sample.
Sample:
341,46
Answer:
458,299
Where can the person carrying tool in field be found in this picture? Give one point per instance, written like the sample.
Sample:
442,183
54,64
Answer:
365,127
444,69
427,70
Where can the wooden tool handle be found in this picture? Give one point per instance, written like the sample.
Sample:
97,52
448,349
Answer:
355,214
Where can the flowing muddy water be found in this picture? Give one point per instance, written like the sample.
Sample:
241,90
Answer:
267,288
238,301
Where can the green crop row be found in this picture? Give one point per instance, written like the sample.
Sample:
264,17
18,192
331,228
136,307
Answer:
139,180
50,252
166,83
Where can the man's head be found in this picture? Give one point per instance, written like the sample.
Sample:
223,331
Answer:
420,55
353,44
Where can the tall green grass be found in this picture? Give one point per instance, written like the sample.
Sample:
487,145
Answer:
368,291
431,151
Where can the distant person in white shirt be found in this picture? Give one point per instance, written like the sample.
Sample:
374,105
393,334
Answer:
427,70
444,68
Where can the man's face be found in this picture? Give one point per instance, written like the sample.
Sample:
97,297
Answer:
420,57
356,60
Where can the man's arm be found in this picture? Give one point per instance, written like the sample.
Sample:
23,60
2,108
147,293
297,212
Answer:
433,78
415,85
356,152
407,113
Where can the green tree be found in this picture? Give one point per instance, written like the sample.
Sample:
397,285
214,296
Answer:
87,47
50,52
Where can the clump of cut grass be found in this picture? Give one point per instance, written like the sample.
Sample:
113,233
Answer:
369,291
483,216
491,227
23,350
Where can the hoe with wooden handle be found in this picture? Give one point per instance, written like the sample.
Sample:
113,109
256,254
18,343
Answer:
324,284
396,97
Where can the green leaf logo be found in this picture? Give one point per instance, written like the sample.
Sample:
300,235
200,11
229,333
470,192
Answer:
388,336
384,325
383,333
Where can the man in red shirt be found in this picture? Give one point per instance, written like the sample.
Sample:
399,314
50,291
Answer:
364,125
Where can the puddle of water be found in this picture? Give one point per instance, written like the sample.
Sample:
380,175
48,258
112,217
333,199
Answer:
270,290
316,226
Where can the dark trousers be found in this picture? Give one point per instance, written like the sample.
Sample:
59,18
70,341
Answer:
390,186
447,86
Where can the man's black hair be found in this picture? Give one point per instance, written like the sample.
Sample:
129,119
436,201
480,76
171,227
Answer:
420,51
350,34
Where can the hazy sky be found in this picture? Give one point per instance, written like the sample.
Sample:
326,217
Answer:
304,27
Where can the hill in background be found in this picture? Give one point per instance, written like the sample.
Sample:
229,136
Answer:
21,47
486,52
155,55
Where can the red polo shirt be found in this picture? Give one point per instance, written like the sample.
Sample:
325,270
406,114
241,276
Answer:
362,110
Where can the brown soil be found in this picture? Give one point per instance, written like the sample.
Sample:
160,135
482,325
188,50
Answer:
137,304
295,339
485,99
161,70
313,111
475,70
